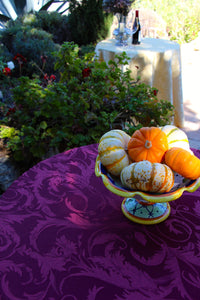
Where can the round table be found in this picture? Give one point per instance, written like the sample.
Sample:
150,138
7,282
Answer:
157,62
64,237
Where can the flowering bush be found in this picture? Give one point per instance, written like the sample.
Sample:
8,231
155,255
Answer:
27,48
90,99
117,6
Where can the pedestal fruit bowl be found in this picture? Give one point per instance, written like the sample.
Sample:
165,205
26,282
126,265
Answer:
146,206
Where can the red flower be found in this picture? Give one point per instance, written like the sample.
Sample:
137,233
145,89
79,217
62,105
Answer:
11,110
52,77
155,92
7,71
43,58
20,58
46,77
86,72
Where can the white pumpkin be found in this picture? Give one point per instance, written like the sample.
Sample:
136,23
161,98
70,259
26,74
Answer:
148,177
112,151
176,137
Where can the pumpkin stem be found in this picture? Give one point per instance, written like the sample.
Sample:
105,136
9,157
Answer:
148,144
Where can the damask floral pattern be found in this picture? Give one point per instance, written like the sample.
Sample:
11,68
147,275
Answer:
63,237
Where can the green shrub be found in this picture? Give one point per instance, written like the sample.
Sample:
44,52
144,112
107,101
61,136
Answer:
7,84
87,21
90,99
7,35
30,43
2,64
5,55
51,22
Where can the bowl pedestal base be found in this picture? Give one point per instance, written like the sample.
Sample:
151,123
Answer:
140,211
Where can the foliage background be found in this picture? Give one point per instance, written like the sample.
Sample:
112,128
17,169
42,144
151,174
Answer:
182,17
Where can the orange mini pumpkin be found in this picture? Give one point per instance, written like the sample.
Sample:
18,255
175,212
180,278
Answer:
148,143
183,162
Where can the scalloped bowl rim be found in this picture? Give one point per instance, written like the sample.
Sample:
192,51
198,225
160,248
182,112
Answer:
115,188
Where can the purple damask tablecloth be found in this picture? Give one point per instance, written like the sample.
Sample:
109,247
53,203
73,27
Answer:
63,236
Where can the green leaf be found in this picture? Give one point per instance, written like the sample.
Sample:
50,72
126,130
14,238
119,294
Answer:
43,125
